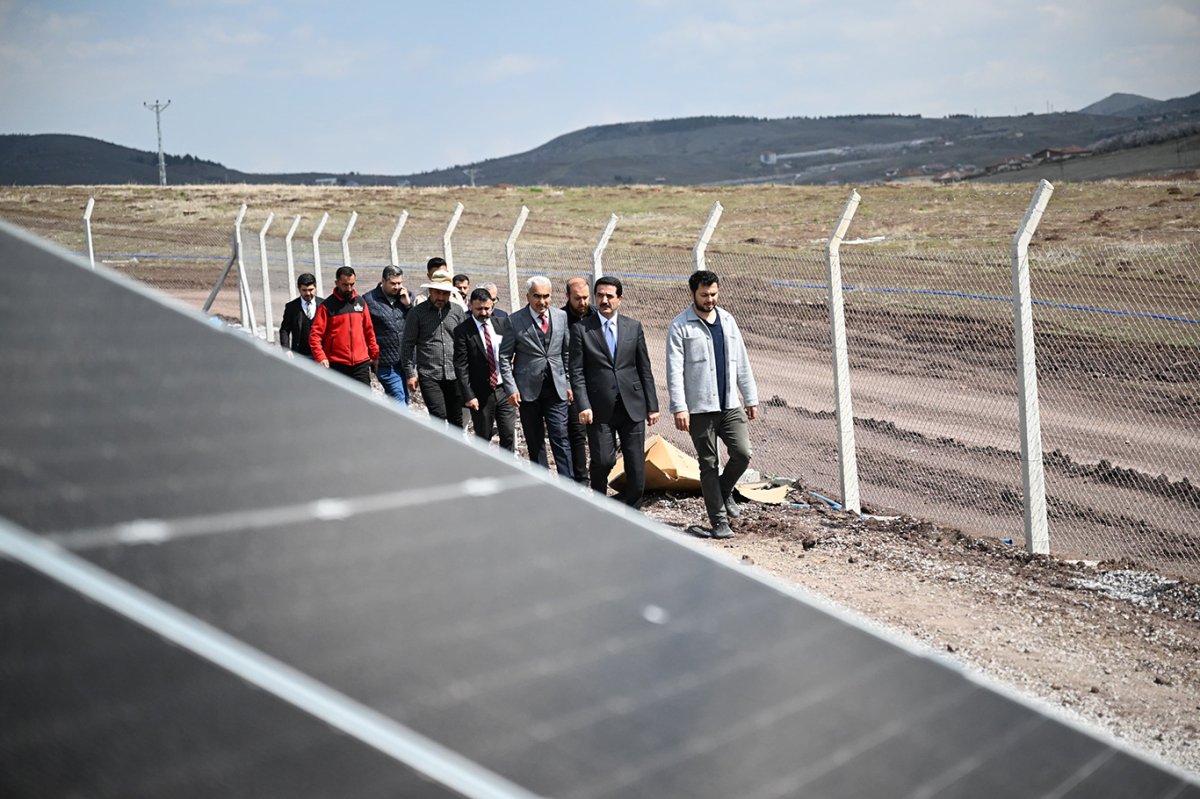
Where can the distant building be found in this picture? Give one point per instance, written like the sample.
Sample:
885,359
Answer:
326,181
1061,153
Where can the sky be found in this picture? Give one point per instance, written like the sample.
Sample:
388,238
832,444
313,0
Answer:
401,87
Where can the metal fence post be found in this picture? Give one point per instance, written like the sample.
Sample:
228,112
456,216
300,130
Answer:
346,238
714,216
87,227
291,260
1033,475
447,253
844,406
510,256
268,316
601,246
396,236
317,252
247,304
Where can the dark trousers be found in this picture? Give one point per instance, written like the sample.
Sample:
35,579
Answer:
359,371
602,443
496,414
547,413
578,435
731,427
441,398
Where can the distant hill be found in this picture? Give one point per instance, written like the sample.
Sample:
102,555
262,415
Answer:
696,150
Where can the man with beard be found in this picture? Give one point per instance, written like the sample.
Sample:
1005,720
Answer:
578,307
389,304
438,264
298,315
707,368
427,352
342,337
482,372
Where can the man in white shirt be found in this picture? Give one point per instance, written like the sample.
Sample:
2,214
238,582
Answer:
482,372
298,316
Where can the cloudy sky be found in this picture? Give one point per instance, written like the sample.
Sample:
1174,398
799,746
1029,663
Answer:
399,87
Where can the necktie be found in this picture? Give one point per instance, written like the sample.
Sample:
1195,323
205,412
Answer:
545,324
308,310
493,376
610,333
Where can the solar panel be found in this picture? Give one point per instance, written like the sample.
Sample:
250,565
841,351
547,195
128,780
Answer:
226,573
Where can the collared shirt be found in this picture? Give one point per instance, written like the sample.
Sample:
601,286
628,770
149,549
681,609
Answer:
604,323
496,337
428,346
309,307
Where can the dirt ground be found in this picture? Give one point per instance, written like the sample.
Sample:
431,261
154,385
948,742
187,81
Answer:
1108,643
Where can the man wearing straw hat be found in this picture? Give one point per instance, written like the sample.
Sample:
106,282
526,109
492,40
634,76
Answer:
438,264
427,353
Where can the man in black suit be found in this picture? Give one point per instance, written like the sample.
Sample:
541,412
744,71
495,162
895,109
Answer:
614,389
481,372
298,316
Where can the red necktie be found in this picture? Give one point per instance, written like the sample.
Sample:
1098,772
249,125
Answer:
493,377
545,323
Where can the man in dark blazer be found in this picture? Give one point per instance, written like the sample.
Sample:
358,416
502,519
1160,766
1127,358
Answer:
298,316
538,387
614,389
483,374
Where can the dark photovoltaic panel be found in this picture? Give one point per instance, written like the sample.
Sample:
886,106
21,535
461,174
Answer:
227,574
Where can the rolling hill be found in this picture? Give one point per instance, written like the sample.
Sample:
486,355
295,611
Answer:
690,151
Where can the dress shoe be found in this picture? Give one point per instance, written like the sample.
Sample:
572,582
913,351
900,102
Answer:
722,531
699,532
732,510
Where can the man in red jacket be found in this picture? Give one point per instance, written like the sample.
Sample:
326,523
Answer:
342,336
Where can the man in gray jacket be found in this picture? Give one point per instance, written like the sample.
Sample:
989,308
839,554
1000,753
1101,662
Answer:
427,352
707,368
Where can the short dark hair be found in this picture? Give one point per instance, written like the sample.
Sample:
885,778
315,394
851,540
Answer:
481,295
390,272
435,263
608,281
306,279
702,277
460,276
344,271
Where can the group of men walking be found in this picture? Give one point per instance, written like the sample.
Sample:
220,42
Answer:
578,376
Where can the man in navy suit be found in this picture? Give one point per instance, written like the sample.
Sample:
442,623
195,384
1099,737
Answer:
614,389
538,386
482,373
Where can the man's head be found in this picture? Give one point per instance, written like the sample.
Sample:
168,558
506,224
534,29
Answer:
306,284
578,296
481,304
392,280
463,284
492,289
439,288
537,293
344,281
705,286
435,264
608,296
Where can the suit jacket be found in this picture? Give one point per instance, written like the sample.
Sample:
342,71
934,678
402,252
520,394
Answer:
598,378
534,359
471,360
295,326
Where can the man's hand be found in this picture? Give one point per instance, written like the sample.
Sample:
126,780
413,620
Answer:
473,404
652,419
751,411
570,396
412,385
585,417
290,355
325,363
375,365
514,399
682,421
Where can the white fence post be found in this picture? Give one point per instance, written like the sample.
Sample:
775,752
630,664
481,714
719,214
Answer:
317,252
268,315
87,227
844,410
244,284
714,216
291,260
601,246
510,256
346,238
396,236
447,253
1033,475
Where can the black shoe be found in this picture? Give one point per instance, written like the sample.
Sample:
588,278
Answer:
722,531
698,531
732,510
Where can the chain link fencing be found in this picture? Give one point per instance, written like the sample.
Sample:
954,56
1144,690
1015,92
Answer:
930,332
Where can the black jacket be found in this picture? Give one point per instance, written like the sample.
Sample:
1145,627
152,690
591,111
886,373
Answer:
597,378
471,361
387,315
294,328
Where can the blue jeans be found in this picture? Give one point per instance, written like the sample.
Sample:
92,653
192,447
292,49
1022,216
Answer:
393,384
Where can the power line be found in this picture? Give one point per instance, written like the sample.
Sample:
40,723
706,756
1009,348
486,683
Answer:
158,108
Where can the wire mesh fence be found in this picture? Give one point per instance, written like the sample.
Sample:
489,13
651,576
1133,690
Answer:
930,333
